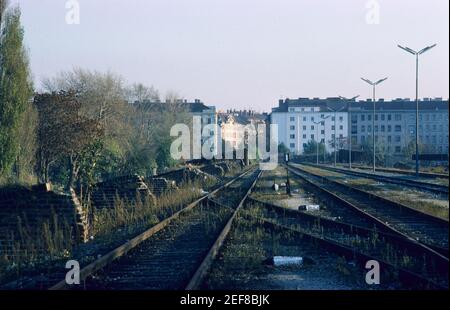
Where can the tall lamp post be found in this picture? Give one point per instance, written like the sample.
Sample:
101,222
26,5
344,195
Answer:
411,51
334,140
374,84
317,137
350,139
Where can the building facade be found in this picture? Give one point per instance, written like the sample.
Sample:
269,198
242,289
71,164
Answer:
395,125
303,120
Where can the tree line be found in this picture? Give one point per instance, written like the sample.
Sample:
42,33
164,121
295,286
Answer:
82,126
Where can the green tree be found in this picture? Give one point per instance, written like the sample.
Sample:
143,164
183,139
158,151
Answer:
410,149
282,149
15,84
311,148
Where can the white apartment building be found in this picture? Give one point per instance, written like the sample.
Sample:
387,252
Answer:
302,120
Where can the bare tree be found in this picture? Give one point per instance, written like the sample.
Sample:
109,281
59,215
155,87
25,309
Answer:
62,131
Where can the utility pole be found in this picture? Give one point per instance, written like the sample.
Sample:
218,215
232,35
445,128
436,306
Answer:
411,51
373,114
334,140
350,129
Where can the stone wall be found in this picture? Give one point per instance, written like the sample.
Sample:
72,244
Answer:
24,210
127,188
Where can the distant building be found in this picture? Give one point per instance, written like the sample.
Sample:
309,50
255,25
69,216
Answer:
303,120
395,124
231,120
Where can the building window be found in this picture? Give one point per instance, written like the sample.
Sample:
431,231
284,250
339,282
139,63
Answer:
304,127
389,117
363,117
292,136
341,118
292,127
398,128
398,117
292,119
369,128
382,117
398,149
322,132
304,136
292,145
312,127
398,139
312,137
312,119
332,127
333,118
354,129
363,139
389,139
389,128
304,118
363,128
382,128
376,117
369,117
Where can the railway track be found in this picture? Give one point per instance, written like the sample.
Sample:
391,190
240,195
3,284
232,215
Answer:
395,250
431,175
176,253
423,186
407,278
387,215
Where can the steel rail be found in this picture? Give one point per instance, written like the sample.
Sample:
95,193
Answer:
425,186
441,262
406,277
378,222
202,270
127,246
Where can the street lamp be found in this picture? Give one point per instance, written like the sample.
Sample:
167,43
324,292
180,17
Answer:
350,139
335,111
407,49
373,114
317,137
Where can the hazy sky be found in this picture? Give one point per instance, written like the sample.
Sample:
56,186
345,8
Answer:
246,53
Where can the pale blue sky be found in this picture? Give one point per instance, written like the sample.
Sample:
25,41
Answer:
246,53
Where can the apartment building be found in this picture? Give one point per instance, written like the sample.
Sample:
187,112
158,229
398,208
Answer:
395,124
303,120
